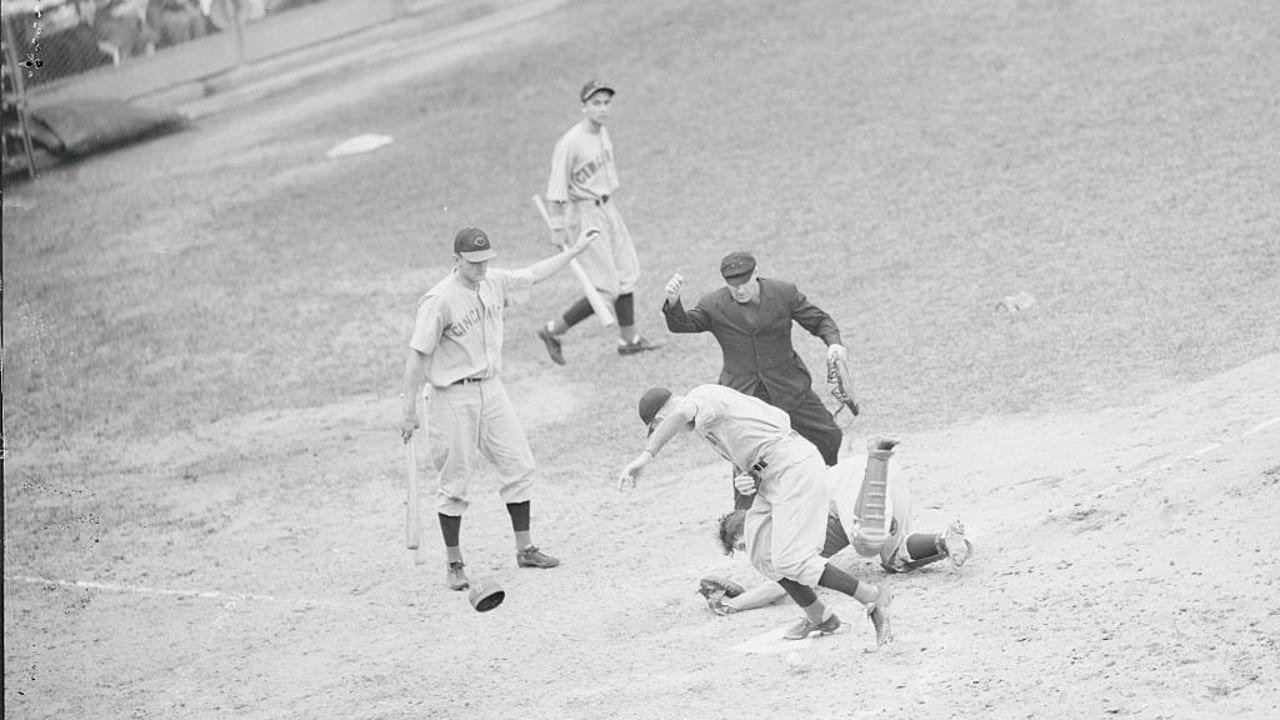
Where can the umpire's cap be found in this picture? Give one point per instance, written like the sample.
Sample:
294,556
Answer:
737,266
651,402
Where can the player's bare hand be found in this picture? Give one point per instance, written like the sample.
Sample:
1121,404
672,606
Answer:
837,352
584,240
408,423
631,473
673,288
746,483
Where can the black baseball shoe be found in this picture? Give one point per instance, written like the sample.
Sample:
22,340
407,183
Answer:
535,558
640,345
956,545
806,627
553,345
457,577
878,611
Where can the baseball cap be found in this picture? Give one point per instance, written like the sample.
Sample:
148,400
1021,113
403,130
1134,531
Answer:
592,88
737,266
651,402
473,245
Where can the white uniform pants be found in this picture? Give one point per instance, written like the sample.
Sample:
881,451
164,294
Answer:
787,523
469,421
611,260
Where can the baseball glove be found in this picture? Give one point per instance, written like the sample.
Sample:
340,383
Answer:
842,385
715,590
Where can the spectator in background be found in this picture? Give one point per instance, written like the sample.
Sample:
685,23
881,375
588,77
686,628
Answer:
175,21
121,26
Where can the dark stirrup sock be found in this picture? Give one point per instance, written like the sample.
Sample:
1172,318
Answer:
519,516
450,528
802,594
577,312
836,579
625,308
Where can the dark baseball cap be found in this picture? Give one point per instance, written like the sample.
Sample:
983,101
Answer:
737,266
651,402
473,245
592,88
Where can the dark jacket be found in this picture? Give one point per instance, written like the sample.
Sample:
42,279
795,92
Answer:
756,338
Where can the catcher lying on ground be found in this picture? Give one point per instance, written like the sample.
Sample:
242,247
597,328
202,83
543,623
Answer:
880,524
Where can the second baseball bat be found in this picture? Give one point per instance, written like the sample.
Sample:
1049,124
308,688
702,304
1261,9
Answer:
413,515
601,307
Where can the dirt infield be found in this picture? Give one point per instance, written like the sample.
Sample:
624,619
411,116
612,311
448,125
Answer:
204,335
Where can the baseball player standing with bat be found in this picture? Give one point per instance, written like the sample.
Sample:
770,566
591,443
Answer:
457,347
792,494
580,190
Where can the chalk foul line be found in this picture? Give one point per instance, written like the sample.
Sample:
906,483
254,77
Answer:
145,590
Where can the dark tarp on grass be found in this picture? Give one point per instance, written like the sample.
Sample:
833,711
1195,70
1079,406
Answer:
89,126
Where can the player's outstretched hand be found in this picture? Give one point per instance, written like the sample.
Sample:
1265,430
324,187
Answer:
673,288
408,423
746,483
631,473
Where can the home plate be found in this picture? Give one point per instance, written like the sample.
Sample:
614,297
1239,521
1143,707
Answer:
771,643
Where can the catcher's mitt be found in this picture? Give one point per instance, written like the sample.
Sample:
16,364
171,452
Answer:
715,590
842,385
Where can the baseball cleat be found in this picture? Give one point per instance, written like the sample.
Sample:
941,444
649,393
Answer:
879,614
457,577
553,346
807,627
535,558
882,442
956,545
639,346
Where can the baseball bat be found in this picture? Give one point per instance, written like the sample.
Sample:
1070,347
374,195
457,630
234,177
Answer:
415,494
601,307
413,514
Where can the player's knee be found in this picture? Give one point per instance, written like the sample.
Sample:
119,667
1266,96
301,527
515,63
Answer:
793,566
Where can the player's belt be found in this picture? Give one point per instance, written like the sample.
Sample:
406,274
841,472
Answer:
467,381
595,201
761,464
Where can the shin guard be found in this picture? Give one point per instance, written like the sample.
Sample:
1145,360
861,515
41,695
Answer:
872,505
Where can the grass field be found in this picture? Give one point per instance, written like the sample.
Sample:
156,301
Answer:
203,338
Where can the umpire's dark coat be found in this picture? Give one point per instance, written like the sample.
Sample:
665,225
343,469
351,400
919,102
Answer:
756,339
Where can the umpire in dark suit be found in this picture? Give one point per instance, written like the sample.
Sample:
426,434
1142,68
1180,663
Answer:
751,319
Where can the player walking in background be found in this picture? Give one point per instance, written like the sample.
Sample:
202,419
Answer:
581,191
457,348
751,319
901,550
784,526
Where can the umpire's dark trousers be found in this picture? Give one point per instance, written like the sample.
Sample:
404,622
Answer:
814,423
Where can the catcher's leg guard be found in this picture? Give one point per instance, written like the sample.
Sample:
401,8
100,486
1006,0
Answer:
919,550
873,500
